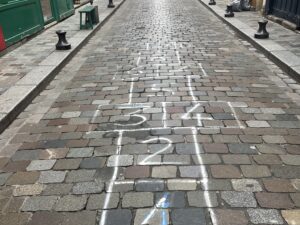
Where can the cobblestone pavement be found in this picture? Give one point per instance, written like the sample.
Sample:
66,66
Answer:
164,117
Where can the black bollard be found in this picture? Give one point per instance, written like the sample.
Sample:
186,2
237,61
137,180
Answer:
229,11
62,43
262,32
111,4
212,2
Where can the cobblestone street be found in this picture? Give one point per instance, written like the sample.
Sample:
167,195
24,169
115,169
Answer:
165,117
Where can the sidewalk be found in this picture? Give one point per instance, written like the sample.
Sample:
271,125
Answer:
283,45
27,69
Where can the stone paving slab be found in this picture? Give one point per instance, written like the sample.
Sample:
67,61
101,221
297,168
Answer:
27,69
283,45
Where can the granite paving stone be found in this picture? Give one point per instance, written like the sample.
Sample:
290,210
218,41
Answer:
291,216
160,216
286,171
242,149
39,203
174,199
164,171
247,185
232,217
4,177
225,171
216,185
193,171
274,200
295,198
253,171
29,189
147,185
93,163
87,188
52,177
71,203
118,217
97,201
120,186
138,200
57,189
41,165
202,199
291,159
67,164
80,176
279,185
181,184
137,172
239,199
15,218
120,160
192,216
265,216
80,152
23,178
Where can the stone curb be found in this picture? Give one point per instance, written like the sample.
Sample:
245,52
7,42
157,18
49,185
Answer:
19,96
286,60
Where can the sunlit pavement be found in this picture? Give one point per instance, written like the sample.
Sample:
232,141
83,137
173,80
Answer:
164,117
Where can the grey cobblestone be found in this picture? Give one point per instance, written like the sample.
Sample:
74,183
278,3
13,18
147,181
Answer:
52,177
71,203
38,203
138,200
198,199
87,188
239,199
41,165
265,216
149,185
98,201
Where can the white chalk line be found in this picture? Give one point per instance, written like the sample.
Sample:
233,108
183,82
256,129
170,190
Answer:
113,178
169,144
203,171
130,91
203,70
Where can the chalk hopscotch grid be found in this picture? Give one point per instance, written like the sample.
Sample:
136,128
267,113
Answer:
194,130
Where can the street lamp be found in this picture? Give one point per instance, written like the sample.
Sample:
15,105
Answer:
111,4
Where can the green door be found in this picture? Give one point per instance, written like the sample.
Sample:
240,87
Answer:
63,9
19,19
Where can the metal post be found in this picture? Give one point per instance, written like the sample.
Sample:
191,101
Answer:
262,32
212,2
111,4
229,11
62,43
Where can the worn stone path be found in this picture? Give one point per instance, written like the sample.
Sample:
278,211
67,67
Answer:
164,117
